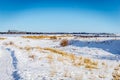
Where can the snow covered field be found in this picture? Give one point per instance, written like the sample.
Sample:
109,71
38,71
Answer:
43,58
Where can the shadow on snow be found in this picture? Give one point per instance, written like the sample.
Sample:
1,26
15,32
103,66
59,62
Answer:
112,46
15,74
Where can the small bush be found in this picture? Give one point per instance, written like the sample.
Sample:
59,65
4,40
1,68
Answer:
11,43
64,42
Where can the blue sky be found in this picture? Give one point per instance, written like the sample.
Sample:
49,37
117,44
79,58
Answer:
60,15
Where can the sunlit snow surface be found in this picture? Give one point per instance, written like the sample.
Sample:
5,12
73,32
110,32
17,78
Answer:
27,59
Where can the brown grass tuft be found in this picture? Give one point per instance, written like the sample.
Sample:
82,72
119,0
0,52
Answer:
32,56
116,73
102,76
76,61
40,37
35,37
2,38
64,42
90,64
28,48
87,61
11,43
67,74
49,56
53,37
56,51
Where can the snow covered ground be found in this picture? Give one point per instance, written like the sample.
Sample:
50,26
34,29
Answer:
45,59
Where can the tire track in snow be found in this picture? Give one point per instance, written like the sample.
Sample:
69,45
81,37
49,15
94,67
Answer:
15,74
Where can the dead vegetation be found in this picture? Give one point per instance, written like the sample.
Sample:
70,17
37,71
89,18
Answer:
53,70
64,42
72,58
116,73
28,48
2,38
37,37
57,51
66,73
47,37
76,60
9,43
90,64
50,58
53,37
32,56
41,37
60,59
102,76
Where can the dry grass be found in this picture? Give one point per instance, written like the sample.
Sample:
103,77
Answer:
90,64
28,48
67,73
40,37
55,51
38,48
60,58
86,61
102,76
36,37
64,56
53,70
76,60
53,73
40,58
103,63
116,73
50,58
53,37
78,76
2,38
64,42
32,56
9,43
46,37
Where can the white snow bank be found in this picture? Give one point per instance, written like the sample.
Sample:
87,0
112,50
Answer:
6,67
35,64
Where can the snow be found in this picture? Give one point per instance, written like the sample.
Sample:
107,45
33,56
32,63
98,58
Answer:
27,59
6,65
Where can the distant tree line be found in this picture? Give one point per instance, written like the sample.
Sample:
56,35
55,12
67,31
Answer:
77,34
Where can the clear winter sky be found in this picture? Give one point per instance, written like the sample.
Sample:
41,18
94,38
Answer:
60,15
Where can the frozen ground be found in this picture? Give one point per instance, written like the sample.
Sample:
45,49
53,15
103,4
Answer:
44,59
